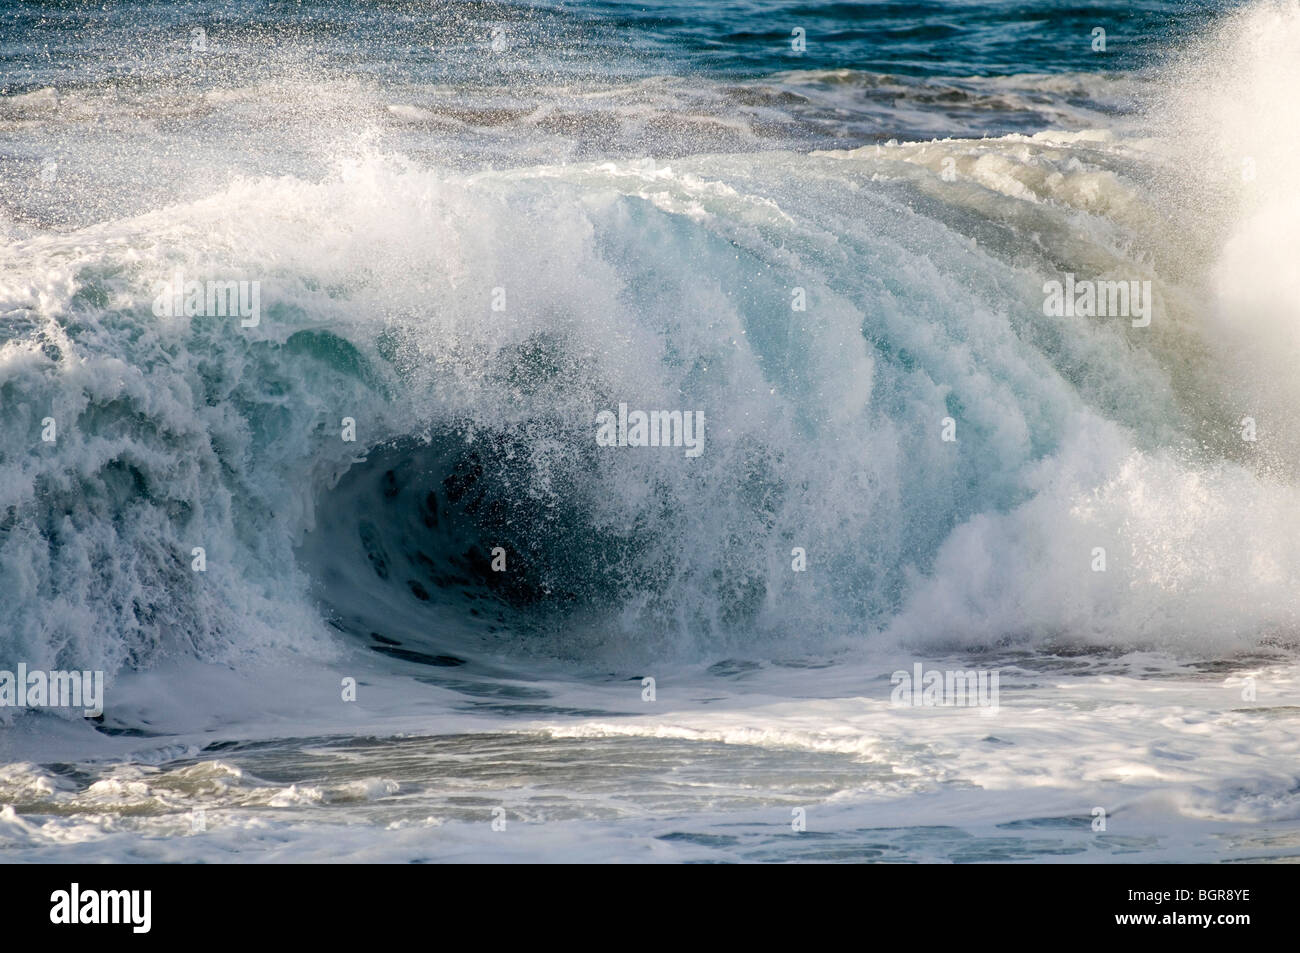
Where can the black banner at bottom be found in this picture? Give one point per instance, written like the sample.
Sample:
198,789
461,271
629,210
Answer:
334,903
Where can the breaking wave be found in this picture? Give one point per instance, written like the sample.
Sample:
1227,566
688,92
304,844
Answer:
668,283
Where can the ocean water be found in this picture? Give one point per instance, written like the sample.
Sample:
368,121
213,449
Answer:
476,226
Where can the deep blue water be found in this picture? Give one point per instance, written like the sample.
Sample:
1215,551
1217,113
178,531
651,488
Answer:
57,40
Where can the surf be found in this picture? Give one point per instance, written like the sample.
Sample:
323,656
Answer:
671,279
